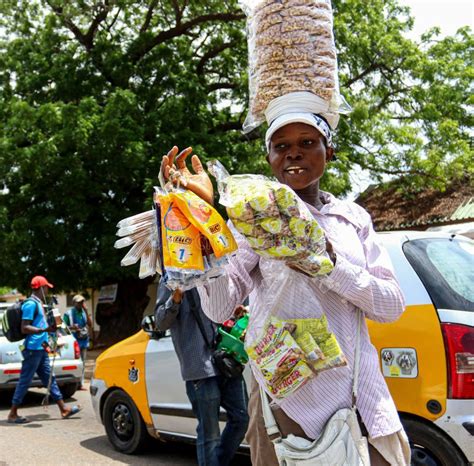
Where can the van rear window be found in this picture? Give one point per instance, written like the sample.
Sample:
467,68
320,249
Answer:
446,268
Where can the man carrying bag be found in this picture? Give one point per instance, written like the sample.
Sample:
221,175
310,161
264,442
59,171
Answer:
207,388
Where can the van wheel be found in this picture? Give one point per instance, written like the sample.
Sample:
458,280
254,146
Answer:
429,447
68,389
123,423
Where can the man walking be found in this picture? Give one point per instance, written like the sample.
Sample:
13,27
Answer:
79,322
206,388
35,356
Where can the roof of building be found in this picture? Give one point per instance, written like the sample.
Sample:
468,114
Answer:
392,208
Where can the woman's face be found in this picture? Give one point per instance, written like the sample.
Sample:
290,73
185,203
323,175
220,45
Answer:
298,155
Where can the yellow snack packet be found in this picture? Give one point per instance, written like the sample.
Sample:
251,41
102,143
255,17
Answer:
207,220
180,238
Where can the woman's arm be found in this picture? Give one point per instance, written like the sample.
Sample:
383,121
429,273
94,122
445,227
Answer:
374,289
221,296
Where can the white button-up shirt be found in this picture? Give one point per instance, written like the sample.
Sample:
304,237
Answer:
362,278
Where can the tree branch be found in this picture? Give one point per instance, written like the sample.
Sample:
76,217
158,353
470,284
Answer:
149,15
180,29
212,53
217,86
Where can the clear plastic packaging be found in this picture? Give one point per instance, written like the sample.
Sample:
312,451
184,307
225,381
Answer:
275,221
291,50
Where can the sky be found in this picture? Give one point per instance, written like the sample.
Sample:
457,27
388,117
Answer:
449,15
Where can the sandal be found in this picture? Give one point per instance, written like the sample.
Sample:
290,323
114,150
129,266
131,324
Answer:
18,420
74,410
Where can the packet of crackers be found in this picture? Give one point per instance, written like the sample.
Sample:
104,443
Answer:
318,342
279,358
276,223
291,49
196,241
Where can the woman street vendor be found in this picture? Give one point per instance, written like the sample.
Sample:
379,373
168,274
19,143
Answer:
299,147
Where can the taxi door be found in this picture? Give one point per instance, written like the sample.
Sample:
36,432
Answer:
170,408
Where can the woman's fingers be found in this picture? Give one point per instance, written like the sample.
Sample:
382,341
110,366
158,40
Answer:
181,158
196,164
171,154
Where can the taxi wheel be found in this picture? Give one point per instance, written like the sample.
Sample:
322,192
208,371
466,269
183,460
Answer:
429,447
69,389
123,423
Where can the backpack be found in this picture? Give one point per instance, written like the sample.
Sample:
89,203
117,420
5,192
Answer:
11,321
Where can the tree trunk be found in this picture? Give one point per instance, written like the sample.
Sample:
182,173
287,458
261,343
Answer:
122,318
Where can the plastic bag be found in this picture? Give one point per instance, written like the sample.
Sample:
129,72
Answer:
291,49
196,241
140,231
275,221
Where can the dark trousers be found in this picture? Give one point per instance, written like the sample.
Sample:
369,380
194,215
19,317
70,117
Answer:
206,397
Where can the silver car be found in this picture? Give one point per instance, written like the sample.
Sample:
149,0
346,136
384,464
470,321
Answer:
67,361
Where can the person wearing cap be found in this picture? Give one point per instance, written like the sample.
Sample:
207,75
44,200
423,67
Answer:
299,146
79,322
35,356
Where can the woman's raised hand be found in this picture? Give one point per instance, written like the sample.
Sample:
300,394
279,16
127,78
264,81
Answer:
175,170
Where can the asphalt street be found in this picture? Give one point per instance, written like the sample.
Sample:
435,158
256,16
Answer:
80,440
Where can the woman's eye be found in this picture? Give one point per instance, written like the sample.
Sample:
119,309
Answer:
280,146
308,142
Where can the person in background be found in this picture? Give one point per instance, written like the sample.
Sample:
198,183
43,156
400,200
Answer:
206,388
35,356
79,322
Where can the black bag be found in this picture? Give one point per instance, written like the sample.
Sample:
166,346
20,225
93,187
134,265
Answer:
225,363
11,322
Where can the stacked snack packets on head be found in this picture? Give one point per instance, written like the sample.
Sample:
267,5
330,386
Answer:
183,238
274,220
288,353
291,49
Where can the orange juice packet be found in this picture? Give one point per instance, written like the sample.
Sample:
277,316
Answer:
181,240
207,220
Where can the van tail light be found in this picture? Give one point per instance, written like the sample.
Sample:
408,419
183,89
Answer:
459,344
77,350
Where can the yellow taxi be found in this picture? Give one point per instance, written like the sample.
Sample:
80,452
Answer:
427,358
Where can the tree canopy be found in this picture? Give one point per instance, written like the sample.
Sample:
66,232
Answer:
92,93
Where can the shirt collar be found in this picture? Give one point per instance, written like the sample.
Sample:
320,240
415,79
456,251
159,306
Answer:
334,206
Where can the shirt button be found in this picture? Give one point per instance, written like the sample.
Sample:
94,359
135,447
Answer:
344,301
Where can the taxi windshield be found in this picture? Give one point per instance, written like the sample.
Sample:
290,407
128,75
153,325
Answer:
446,268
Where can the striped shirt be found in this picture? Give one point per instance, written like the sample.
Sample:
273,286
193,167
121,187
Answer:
362,278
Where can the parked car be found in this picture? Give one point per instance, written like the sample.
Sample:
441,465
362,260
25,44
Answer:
427,357
67,361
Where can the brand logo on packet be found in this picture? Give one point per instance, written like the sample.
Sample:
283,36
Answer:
265,340
180,239
215,228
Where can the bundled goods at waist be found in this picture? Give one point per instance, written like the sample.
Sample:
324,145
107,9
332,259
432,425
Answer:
288,353
231,337
291,50
183,238
274,220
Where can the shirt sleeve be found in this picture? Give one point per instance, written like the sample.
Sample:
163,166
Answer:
66,319
28,310
373,289
222,295
166,310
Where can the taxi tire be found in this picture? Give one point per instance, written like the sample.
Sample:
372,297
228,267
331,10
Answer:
139,437
439,446
68,389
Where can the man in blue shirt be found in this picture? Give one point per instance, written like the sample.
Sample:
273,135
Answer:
206,387
79,322
35,356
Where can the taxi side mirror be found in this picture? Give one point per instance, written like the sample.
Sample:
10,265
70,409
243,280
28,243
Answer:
148,326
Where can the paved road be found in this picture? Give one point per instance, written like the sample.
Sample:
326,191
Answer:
80,440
